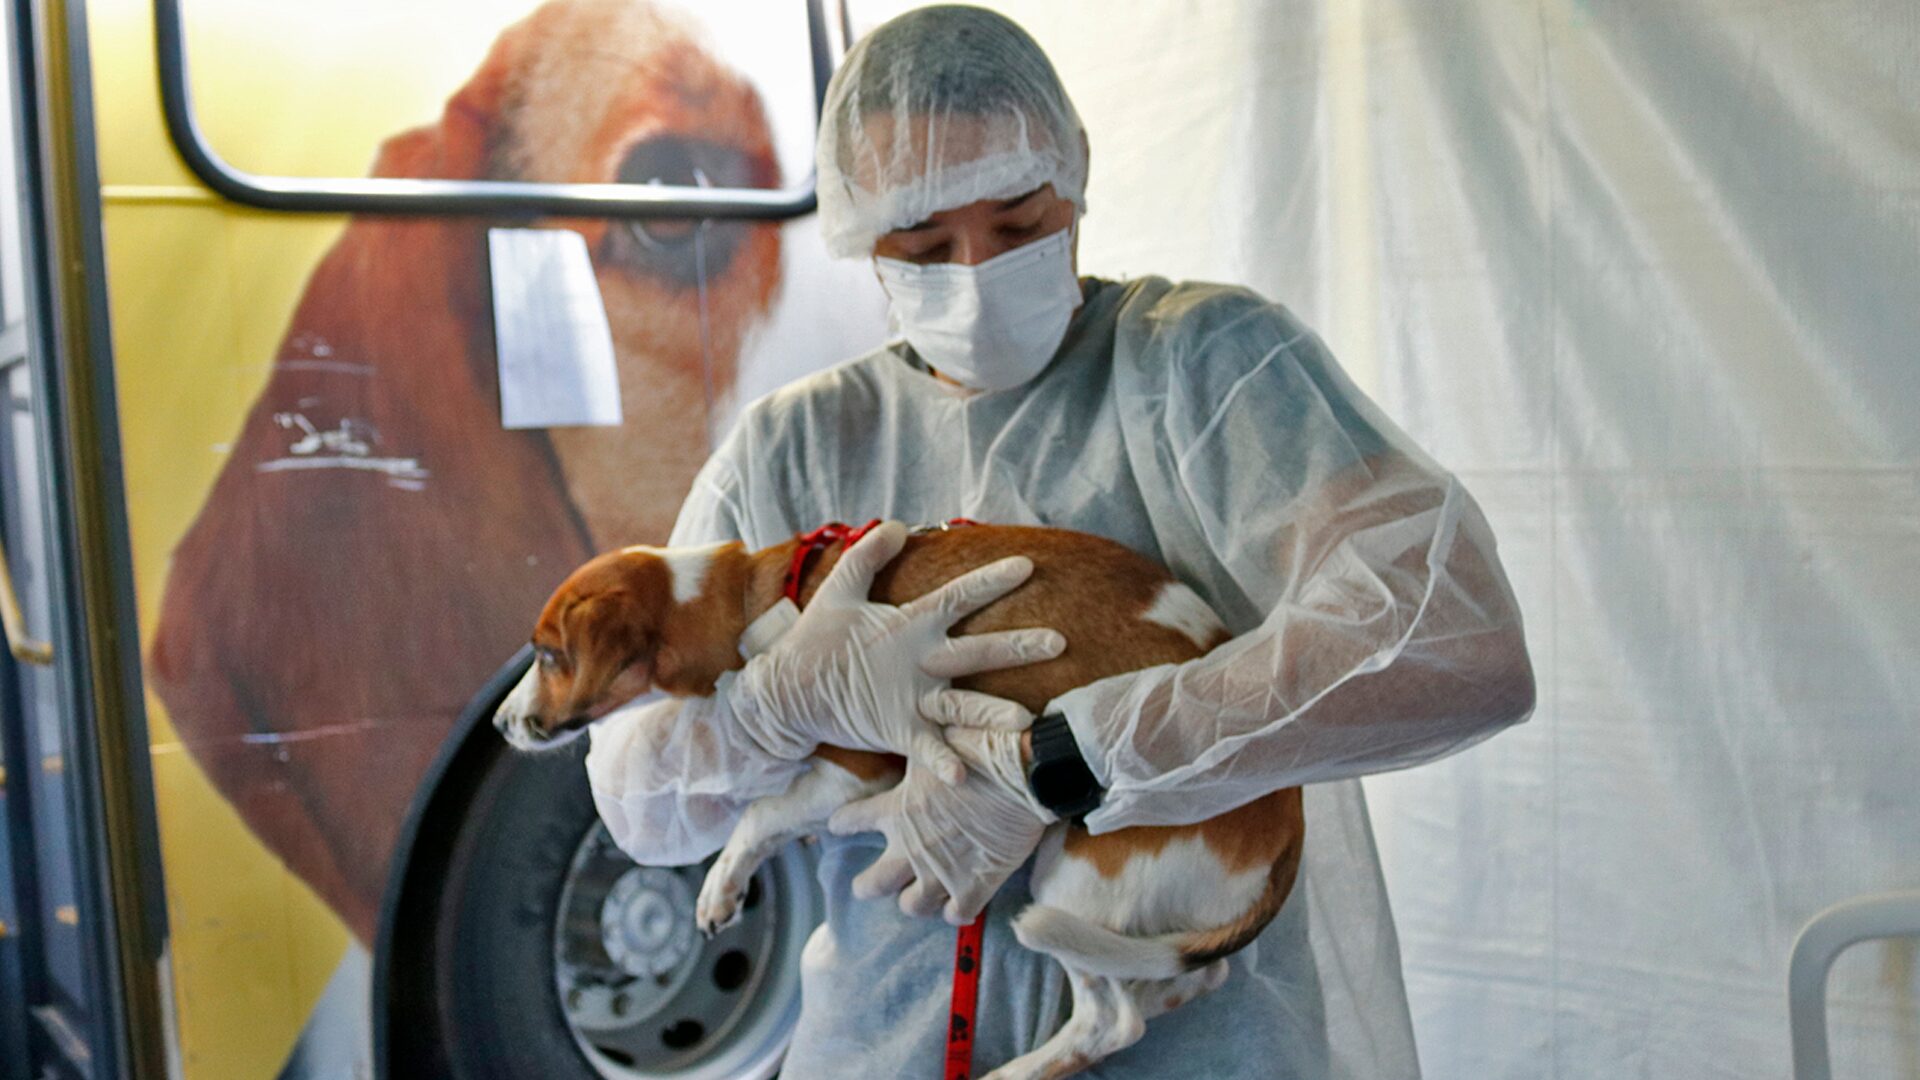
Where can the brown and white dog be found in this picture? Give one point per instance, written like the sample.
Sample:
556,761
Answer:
1141,918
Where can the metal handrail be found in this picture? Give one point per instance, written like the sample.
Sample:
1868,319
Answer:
1824,938
25,648
392,195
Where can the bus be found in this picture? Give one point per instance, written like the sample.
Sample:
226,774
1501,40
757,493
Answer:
334,336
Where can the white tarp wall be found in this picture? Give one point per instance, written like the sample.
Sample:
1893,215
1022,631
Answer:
1648,277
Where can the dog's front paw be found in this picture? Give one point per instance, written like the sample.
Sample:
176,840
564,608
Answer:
718,905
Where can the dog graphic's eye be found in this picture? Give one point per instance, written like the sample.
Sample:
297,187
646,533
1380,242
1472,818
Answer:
665,247
549,659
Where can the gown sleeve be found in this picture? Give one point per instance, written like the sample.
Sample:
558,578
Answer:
1390,635
671,778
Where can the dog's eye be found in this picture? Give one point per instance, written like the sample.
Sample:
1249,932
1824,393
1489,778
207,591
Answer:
666,247
548,658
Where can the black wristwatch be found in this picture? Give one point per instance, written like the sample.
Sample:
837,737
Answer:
1058,775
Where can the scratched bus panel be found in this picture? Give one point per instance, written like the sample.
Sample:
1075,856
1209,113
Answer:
336,538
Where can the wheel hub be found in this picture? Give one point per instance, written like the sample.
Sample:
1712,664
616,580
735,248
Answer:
646,924
646,997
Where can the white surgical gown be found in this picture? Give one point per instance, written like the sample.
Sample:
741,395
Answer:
1206,428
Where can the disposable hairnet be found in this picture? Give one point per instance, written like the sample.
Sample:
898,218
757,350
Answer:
941,107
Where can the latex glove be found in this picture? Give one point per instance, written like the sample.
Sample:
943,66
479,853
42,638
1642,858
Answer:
865,676
950,848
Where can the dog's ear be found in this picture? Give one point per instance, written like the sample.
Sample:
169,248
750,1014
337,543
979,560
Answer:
463,144
686,672
606,639
397,273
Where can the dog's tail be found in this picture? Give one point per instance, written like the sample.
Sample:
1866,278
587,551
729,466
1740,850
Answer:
1096,950
1090,947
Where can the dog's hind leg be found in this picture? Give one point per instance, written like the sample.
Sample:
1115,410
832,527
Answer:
803,808
1105,1019
1158,997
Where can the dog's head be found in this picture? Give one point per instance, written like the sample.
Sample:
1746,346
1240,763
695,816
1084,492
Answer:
595,648
639,621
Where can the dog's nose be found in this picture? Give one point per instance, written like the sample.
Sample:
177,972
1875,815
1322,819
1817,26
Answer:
519,729
521,732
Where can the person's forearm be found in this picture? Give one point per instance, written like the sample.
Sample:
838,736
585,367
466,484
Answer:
1405,645
670,778
1406,713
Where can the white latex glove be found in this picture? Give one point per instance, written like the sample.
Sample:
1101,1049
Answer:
864,676
950,847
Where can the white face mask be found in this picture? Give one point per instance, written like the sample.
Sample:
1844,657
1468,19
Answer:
993,326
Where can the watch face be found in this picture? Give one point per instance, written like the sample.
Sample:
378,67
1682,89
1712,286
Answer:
1058,783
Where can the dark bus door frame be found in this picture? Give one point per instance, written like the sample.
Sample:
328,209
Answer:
111,841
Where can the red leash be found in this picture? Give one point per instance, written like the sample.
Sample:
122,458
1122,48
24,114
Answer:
967,951
966,998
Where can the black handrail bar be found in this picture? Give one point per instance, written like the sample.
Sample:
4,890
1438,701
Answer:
392,195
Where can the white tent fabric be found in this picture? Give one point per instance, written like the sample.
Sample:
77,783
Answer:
1648,277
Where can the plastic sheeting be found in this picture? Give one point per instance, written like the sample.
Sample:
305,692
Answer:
1646,276
1652,281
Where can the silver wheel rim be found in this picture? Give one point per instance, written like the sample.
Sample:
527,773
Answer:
645,996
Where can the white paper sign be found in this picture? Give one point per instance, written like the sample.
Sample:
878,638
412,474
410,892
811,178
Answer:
555,348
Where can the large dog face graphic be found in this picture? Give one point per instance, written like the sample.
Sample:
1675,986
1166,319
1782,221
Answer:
371,547
616,90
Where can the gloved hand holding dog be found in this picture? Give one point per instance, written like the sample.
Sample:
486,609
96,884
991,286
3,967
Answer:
949,847
865,676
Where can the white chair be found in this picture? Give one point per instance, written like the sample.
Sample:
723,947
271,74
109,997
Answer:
1826,936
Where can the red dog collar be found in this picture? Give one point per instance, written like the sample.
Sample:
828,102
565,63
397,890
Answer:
835,532
815,542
